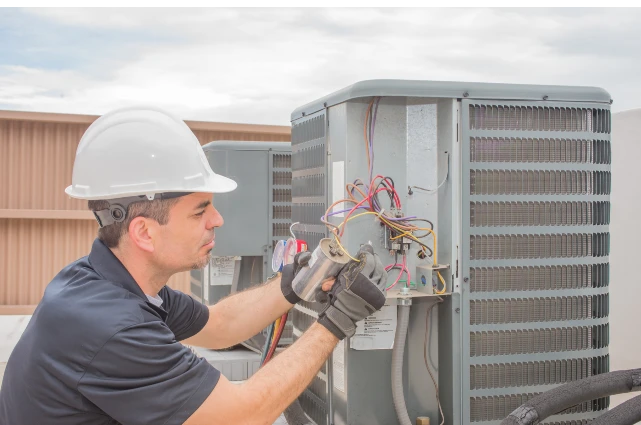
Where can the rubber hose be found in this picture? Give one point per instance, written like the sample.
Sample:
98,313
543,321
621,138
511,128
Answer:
627,413
295,415
397,365
573,393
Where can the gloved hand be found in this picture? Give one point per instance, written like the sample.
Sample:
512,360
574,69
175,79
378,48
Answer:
289,273
357,293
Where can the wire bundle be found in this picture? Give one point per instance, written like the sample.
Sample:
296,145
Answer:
274,332
370,203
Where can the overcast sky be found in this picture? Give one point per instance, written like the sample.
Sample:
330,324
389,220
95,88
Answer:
257,65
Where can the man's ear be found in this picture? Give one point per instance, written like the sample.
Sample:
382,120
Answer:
142,232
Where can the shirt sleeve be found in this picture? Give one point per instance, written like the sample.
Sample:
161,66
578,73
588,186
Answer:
185,316
143,376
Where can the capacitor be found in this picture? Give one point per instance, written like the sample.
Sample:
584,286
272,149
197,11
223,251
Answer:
327,260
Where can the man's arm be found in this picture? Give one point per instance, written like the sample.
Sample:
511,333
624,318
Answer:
241,316
356,294
262,398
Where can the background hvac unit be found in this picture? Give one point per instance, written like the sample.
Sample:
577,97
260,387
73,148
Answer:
516,180
256,214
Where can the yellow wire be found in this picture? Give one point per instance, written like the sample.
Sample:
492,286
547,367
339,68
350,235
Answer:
276,325
355,216
404,233
337,239
442,291
344,250
394,227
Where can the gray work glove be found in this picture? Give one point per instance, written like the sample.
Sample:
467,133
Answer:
356,294
289,273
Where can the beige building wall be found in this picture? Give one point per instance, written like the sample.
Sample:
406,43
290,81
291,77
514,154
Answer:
625,286
41,228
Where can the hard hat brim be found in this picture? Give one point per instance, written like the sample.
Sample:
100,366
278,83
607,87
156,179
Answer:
214,184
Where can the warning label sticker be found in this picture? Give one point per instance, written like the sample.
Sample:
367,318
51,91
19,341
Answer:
222,270
377,331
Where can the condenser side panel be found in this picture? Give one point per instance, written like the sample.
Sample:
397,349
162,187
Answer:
535,234
308,202
365,395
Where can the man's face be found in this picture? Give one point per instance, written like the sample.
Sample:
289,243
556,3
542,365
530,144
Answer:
186,241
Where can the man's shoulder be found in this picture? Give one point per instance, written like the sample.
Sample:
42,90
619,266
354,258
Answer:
88,306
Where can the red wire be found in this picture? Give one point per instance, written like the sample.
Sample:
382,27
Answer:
407,271
279,333
355,208
403,268
390,189
393,189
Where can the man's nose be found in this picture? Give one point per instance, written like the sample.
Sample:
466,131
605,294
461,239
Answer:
216,220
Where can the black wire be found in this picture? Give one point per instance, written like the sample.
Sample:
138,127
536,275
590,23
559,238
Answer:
431,253
422,219
389,190
376,201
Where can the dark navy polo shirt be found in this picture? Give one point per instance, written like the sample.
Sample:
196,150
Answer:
96,351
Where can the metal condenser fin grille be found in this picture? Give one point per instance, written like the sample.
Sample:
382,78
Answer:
537,118
571,245
495,214
499,149
309,157
311,129
550,309
506,375
498,343
497,408
538,278
535,182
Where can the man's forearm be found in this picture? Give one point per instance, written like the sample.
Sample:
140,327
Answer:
291,372
264,396
242,315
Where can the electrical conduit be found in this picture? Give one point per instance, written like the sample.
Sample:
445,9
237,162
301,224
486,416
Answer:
397,361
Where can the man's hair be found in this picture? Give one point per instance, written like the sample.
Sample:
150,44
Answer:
157,210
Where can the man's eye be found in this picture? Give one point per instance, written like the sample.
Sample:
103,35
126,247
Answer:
200,213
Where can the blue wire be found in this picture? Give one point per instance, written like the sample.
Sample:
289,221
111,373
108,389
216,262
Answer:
267,346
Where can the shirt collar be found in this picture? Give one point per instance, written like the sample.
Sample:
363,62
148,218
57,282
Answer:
157,301
107,265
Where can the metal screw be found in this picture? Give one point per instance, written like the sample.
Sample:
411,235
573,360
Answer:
545,97
458,310
465,279
466,94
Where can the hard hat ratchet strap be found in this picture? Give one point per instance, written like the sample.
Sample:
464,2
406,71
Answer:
117,211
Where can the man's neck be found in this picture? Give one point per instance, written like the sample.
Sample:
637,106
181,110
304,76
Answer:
147,276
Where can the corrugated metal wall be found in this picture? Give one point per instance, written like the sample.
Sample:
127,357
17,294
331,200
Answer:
41,228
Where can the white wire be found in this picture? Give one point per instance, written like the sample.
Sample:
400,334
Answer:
440,185
291,229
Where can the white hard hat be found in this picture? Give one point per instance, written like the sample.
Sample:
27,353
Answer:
141,151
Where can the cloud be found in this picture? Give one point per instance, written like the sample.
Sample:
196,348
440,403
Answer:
257,65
